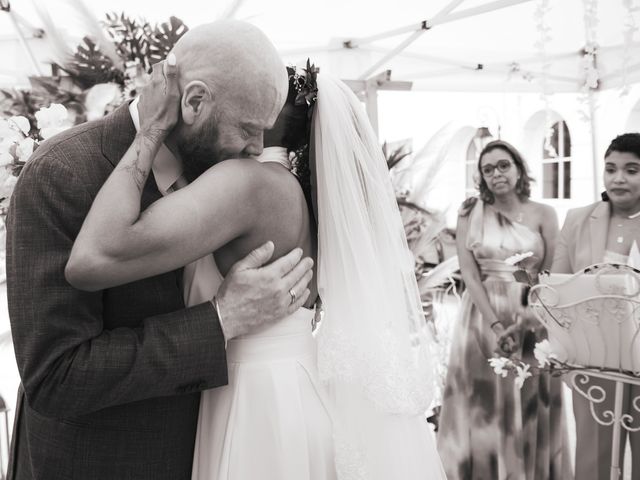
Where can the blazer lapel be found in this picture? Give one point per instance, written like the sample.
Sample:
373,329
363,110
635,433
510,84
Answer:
117,134
599,226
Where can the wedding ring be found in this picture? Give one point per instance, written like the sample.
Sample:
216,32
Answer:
293,296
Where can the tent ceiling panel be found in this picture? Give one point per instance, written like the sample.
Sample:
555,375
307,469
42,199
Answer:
447,56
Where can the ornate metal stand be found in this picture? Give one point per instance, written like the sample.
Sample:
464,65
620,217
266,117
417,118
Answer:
593,322
579,381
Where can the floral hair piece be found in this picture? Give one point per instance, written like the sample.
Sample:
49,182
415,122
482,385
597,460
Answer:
305,82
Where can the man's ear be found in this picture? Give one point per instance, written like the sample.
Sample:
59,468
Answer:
195,96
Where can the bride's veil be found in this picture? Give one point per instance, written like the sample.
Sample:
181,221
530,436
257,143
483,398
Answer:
373,343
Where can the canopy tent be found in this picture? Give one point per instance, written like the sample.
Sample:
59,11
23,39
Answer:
465,45
500,46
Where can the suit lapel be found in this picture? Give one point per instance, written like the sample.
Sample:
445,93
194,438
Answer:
118,134
599,227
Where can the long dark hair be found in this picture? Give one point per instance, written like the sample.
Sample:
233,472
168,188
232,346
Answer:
293,132
523,185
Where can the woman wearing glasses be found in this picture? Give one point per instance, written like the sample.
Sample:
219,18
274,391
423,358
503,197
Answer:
490,428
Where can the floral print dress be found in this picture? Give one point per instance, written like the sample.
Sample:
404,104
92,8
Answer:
489,428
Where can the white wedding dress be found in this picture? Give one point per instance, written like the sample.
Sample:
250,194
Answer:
271,421
348,402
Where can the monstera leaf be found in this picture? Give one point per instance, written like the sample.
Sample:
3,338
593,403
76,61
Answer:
130,37
90,66
164,37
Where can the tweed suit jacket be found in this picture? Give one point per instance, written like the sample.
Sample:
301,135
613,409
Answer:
110,380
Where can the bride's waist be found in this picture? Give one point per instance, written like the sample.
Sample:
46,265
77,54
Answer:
287,338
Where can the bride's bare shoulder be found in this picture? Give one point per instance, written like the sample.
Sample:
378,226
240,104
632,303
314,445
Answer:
250,181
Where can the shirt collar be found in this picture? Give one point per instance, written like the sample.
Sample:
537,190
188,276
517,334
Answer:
166,167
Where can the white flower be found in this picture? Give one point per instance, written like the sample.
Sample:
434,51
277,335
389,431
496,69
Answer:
543,353
21,123
7,183
517,258
10,181
99,97
500,365
5,159
25,149
10,133
52,120
5,173
522,373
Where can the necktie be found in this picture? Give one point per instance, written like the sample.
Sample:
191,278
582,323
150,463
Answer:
201,278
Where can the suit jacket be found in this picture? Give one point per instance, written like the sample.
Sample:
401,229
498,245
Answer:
583,238
110,379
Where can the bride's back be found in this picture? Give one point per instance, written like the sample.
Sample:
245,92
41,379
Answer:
278,213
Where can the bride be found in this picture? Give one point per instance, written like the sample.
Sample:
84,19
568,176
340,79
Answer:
346,402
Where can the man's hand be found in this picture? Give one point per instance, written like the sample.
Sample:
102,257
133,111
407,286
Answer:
252,295
159,105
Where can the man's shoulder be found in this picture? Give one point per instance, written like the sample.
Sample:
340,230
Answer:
75,140
74,150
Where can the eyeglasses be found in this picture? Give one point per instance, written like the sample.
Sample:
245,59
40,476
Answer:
502,166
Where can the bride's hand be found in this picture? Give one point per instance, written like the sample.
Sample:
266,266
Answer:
159,104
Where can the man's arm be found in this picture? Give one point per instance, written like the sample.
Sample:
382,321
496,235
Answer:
69,364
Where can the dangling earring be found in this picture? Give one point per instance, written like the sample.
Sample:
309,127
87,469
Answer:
519,186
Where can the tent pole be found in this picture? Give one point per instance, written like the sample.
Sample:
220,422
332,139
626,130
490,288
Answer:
446,10
594,144
232,9
371,97
23,42
489,7
471,12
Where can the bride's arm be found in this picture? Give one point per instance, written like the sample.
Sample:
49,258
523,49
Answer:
117,244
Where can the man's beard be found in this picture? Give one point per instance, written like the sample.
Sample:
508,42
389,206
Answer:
199,150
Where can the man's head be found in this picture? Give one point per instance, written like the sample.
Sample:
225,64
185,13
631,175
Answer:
233,85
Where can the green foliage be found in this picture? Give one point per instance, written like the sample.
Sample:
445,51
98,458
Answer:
164,37
44,92
89,66
394,157
136,41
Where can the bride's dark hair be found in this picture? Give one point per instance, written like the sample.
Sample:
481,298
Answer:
292,129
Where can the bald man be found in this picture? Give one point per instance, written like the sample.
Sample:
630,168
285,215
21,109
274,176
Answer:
111,380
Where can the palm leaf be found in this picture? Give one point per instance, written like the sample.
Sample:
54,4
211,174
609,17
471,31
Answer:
90,66
394,157
130,38
164,37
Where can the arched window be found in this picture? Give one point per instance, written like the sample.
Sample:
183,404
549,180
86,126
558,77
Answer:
556,162
477,143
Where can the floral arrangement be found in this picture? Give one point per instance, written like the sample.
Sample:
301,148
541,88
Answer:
547,362
101,73
18,140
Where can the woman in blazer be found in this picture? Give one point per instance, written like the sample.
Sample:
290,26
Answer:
605,231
